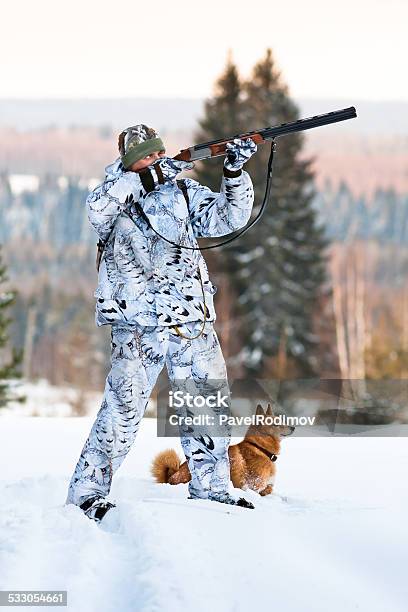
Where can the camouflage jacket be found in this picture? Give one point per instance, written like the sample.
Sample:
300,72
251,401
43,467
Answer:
143,278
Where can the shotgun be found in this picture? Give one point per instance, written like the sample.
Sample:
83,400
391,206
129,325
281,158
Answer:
214,148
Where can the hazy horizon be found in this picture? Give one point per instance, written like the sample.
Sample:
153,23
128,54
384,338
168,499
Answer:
175,114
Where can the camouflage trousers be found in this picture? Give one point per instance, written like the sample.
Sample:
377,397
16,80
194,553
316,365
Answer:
138,355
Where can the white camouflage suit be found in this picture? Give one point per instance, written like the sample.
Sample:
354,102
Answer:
146,286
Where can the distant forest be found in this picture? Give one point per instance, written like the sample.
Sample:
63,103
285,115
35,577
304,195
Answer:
49,248
361,202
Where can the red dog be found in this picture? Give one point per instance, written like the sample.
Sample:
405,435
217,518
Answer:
252,461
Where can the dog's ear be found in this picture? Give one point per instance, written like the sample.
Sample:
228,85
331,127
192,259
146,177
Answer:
259,409
269,411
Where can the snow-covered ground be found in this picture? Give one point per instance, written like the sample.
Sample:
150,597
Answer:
333,538
46,400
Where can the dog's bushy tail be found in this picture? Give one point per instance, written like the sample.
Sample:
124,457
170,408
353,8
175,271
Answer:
164,465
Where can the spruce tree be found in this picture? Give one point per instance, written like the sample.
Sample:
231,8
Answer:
277,269
8,369
223,116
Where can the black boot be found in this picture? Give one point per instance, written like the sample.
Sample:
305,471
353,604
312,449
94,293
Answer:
96,507
226,498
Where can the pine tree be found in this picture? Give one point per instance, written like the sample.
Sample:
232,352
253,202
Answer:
277,269
7,370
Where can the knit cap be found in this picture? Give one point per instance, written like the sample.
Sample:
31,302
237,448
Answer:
136,142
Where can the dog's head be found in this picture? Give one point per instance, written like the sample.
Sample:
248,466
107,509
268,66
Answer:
269,426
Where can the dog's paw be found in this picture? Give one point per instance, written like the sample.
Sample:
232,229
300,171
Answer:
266,491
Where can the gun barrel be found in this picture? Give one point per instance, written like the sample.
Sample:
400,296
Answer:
309,123
215,148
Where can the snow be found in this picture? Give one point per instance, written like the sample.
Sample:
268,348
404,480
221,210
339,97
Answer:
334,537
47,400
20,183
245,258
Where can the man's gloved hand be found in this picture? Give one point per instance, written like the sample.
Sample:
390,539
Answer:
238,153
170,167
164,170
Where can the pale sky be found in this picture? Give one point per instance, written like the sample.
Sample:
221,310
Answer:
353,49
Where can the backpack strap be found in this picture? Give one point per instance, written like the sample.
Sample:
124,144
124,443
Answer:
183,187
101,245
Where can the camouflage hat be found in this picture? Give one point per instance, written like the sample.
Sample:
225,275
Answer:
136,142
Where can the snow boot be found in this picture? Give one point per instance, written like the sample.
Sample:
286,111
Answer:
226,498
96,507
